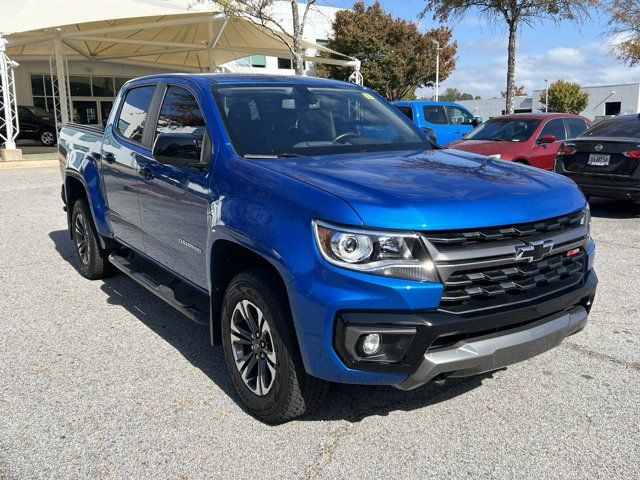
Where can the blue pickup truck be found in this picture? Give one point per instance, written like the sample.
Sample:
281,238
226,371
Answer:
444,122
321,237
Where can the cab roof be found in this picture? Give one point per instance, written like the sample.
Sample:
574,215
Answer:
205,79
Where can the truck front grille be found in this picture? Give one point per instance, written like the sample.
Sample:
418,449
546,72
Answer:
520,231
478,289
480,268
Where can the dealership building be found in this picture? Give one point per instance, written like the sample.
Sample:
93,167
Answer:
70,60
94,84
604,101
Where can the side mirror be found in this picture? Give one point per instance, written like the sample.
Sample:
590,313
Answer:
547,139
178,149
476,121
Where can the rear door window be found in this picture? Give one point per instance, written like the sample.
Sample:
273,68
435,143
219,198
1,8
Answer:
435,114
575,126
458,116
134,111
554,127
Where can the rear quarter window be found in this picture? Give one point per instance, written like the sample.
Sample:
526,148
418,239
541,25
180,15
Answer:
133,114
408,112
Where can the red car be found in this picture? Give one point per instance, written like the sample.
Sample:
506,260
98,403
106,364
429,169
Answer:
530,138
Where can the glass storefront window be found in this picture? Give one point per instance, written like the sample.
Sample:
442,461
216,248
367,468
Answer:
37,85
102,86
80,86
120,81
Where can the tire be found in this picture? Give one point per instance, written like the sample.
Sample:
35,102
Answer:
285,391
47,138
93,261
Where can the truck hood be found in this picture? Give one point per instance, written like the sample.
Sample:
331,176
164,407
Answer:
435,189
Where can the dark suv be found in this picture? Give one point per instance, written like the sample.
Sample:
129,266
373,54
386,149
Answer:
37,124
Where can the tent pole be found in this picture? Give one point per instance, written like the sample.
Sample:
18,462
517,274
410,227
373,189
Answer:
61,75
9,126
214,41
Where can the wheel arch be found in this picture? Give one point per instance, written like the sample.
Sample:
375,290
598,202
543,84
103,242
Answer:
75,188
524,161
227,259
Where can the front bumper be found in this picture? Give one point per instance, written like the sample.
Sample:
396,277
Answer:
436,335
485,354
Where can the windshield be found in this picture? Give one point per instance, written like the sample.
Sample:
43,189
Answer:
267,120
506,130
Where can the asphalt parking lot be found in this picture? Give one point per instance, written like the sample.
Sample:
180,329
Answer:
102,380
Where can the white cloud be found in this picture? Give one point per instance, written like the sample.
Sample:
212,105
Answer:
590,64
566,56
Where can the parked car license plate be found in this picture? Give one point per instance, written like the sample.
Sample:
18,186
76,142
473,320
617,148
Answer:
599,159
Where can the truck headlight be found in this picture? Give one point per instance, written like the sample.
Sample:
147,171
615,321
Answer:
391,254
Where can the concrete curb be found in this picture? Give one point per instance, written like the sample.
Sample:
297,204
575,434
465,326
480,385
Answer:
29,164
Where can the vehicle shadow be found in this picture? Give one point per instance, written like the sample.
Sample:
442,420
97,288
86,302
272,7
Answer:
344,402
611,208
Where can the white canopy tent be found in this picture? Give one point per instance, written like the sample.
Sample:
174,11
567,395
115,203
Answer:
153,33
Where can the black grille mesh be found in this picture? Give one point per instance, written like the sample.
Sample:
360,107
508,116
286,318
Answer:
493,287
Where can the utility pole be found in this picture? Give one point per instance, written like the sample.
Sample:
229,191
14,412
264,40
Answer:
546,96
437,44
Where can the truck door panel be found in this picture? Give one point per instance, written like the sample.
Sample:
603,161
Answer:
120,165
174,199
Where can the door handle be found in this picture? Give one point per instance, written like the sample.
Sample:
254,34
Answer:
146,173
109,157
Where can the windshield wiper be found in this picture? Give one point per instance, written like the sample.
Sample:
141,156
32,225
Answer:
272,155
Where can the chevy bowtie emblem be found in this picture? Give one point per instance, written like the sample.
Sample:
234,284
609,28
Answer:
534,251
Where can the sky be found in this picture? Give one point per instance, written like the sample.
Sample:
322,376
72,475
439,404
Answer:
544,51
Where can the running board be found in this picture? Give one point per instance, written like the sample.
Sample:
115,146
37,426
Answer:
165,292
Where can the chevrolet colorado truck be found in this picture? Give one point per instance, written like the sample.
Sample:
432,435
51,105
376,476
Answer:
321,237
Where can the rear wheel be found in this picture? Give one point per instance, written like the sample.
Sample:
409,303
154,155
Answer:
47,138
261,350
93,261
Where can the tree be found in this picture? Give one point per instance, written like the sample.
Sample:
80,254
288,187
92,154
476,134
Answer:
517,92
453,95
262,13
625,25
514,13
565,97
396,58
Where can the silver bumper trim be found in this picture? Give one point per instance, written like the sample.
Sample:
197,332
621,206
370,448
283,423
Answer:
486,354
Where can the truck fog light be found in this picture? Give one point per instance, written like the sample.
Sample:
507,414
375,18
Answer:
371,344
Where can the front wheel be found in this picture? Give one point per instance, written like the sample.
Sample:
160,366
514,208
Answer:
261,350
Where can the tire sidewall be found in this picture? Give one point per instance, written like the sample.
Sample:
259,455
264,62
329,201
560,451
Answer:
270,404
87,270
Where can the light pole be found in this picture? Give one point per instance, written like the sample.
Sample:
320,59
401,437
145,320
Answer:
546,96
437,44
